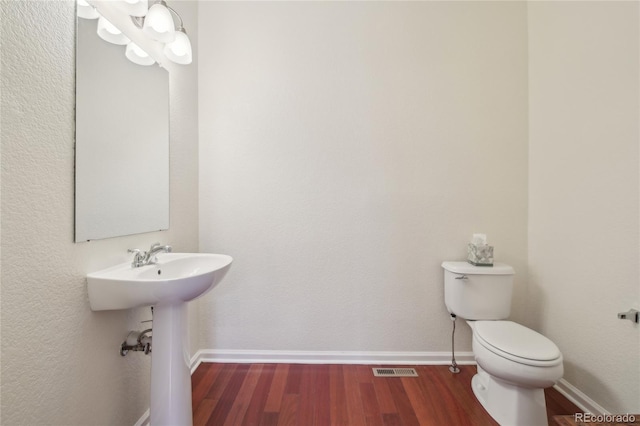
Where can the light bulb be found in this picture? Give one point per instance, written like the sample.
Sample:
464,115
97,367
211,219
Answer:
179,51
158,23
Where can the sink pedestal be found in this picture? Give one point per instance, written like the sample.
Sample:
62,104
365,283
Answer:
170,366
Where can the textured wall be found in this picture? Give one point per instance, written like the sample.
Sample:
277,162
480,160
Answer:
584,191
347,149
60,361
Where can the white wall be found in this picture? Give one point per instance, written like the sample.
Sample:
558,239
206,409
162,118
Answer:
583,195
346,150
60,361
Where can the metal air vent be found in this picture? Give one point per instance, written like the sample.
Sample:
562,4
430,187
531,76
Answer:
395,372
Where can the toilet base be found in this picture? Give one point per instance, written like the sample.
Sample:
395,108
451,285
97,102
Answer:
508,404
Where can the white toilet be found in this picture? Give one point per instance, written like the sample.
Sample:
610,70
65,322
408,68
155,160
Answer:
515,363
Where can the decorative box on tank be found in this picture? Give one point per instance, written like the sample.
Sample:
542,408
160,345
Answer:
479,253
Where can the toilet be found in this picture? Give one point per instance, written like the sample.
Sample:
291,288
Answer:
514,363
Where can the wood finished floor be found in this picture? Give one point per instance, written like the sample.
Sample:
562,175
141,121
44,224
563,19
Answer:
349,395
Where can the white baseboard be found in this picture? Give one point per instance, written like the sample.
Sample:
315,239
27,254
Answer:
329,357
574,395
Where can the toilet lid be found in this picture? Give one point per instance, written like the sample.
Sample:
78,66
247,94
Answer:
516,340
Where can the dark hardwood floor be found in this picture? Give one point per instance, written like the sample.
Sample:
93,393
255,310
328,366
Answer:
349,395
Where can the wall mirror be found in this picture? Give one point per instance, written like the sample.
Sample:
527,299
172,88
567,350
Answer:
122,141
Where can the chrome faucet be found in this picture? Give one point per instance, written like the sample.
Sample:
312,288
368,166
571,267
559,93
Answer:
142,258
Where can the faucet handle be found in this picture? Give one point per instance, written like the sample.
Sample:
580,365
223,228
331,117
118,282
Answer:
154,245
137,258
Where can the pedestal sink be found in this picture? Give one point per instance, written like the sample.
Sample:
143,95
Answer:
168,284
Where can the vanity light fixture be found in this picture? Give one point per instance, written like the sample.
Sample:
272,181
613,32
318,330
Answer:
137,55
156,21
108,32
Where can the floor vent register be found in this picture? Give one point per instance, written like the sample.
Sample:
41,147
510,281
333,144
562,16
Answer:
395,372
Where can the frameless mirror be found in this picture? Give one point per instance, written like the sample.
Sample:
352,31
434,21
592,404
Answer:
122,141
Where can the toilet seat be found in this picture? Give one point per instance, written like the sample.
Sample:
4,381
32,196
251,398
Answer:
517,343
510,368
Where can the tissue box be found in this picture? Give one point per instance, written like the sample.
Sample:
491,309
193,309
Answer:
480,255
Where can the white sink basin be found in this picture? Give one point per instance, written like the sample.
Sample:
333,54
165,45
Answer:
176,277
168,285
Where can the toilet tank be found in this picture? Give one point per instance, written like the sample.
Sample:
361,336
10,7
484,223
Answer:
478,292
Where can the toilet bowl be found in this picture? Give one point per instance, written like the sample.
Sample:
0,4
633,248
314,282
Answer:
515,363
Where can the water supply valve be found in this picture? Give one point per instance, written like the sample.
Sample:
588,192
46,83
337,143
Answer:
137,341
